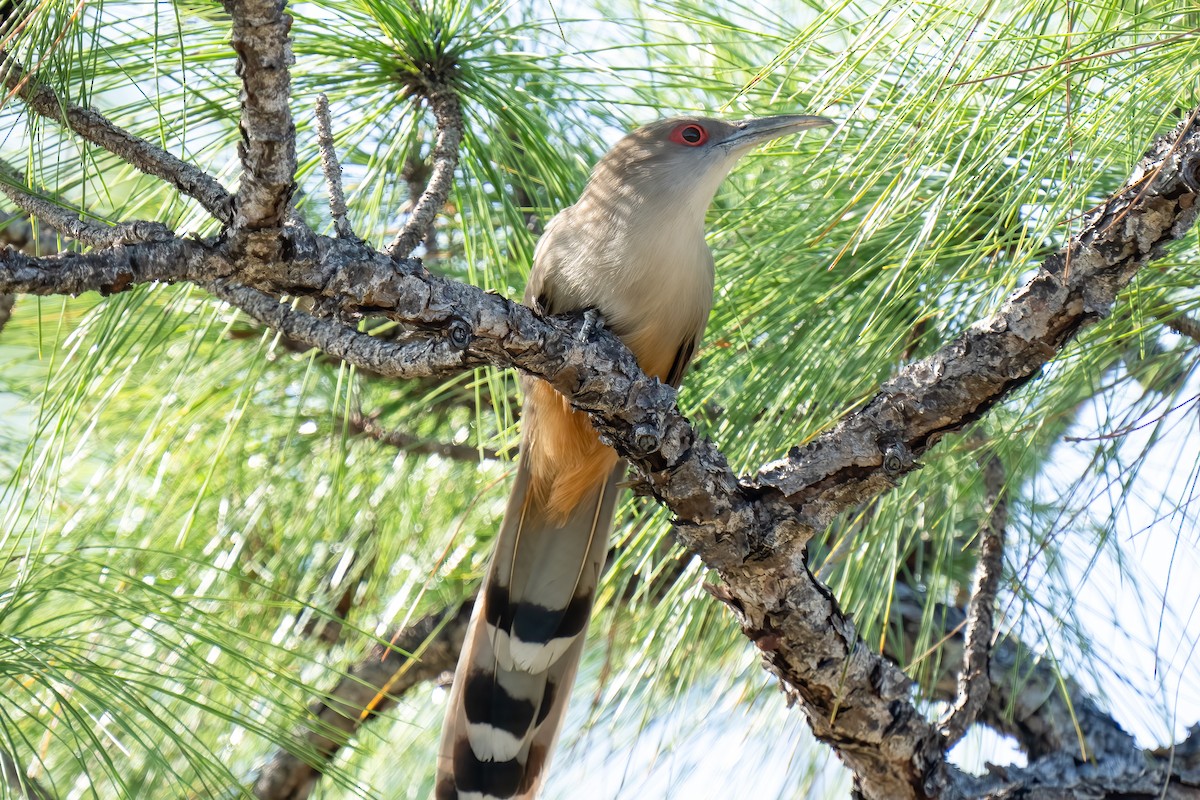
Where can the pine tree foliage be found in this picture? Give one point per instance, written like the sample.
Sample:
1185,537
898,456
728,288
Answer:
198,538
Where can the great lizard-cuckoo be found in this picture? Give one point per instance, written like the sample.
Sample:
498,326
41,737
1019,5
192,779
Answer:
633,248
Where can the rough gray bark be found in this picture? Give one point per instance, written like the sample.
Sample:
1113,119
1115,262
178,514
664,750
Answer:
268,147
332,170
752,531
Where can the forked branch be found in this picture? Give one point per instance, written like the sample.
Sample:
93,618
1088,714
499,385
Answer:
448,116
138,153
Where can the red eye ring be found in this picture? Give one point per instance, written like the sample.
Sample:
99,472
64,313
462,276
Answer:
689,134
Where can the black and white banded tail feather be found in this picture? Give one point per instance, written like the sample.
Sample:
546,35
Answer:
523,645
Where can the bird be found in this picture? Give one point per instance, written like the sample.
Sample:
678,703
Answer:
633,250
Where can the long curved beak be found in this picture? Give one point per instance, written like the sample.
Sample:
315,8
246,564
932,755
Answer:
755,131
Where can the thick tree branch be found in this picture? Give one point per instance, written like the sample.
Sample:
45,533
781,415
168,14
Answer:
370,687
113,270
448,116
973,681
805,638
261,39
139,153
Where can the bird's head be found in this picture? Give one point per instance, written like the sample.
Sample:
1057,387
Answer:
682,160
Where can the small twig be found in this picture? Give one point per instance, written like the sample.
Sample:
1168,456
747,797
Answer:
1116,51
369,426
448,115
333,170
134,151
973,681
369,687
74,226
1182,324
20,784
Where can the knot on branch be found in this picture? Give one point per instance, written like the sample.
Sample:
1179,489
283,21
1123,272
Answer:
646,440
458,333
897,459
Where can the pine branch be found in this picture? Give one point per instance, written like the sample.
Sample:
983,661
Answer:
973,681
753,531
960,383
419,358
72,225
261,39
332,170
112,270
136,152
448,116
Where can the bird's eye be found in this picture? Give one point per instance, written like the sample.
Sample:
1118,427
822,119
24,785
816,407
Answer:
689,134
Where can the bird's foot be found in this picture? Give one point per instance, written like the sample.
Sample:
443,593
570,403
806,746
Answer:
593,322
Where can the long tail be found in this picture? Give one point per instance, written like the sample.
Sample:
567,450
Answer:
523,646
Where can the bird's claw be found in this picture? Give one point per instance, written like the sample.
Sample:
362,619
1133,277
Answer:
593,322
